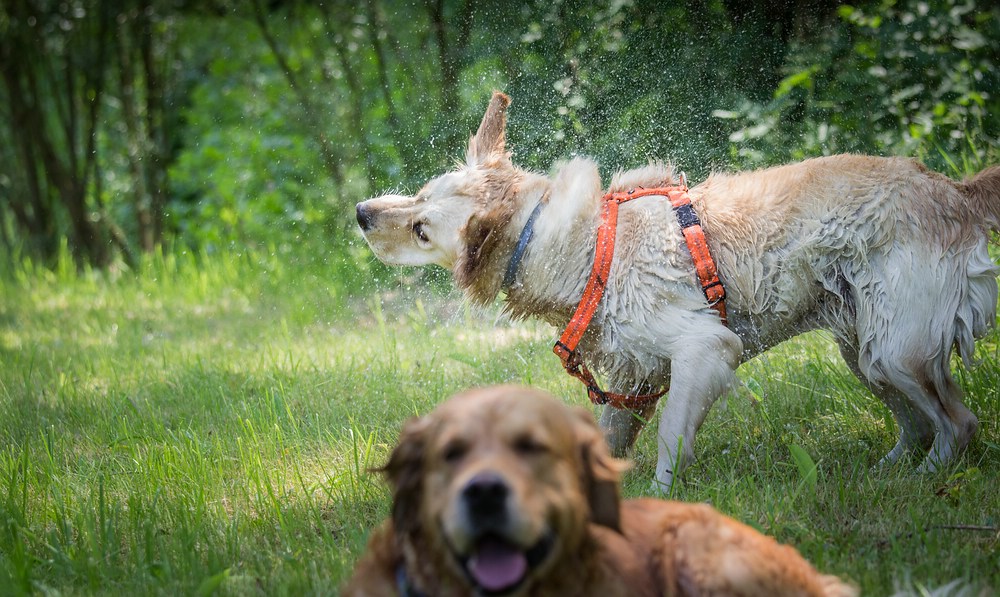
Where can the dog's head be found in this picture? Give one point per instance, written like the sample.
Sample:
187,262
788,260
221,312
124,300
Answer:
499,485
433,226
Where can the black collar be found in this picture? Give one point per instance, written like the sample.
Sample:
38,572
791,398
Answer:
522,244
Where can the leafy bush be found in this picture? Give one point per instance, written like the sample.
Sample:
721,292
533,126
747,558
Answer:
268,121
911,78
245,174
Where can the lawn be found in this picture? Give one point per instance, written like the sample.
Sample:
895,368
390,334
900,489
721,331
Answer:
206,425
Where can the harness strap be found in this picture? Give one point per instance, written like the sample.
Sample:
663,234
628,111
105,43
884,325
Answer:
708,277
694,236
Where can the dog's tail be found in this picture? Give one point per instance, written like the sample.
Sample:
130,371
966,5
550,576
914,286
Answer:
983,192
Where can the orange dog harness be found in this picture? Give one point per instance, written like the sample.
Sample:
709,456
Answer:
708,277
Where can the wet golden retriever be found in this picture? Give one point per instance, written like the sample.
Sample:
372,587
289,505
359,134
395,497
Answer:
508,491
888,256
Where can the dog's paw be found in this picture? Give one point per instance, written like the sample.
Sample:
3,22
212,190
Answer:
663,484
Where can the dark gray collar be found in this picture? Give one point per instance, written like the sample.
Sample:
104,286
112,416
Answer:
522,244
406,589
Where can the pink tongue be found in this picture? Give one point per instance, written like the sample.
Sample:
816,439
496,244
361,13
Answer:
497,565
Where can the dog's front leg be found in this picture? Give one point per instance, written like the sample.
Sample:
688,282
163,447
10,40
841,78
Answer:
700,374
622,425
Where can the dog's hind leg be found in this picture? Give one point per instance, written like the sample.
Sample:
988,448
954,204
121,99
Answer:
935,395
957,431
914,380
622,425
916,432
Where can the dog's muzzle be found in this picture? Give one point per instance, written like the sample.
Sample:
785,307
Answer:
496,564
365,216
485,498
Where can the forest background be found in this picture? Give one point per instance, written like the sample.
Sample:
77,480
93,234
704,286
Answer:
222,125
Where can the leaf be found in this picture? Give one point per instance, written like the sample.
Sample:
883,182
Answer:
803,78
756,391
725,114
968,40
845,11
211,584
954,487
806,466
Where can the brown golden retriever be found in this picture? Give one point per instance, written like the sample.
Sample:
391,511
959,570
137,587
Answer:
507,491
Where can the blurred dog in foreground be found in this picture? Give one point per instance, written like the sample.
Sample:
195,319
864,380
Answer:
508,491
890,257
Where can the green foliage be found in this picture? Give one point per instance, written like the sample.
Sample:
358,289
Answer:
806,465
247,175
255,124
203,421
630,85
897,78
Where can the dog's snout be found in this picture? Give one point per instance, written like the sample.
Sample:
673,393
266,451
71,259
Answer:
364,215
486,495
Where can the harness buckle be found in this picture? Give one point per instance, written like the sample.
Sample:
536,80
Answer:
720,294
686,216
597,395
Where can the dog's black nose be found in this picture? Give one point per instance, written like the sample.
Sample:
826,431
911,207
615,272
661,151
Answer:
485,497
364,217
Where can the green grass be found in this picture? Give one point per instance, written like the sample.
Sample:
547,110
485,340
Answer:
205,426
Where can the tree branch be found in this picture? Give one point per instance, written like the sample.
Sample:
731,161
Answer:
355,92
330,159
374,26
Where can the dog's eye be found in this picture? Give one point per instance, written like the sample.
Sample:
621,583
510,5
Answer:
529,446
454,451
418,229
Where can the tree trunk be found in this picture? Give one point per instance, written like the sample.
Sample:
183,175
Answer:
355,91
403,142
157,139
135,137
32,209
62,84
331,160
452,58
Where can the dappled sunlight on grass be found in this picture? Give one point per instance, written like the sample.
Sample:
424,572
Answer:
172,437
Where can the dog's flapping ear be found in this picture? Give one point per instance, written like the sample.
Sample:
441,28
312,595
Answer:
486,232
489,142
600,472
404,470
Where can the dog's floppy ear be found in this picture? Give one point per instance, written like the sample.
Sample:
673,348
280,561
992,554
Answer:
490,140
600,472
486,232
404,470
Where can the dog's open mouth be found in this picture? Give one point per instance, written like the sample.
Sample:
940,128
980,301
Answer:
497,566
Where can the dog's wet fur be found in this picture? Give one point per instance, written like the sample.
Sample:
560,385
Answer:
888,256
508,491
